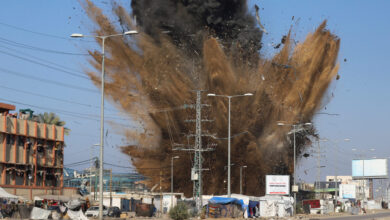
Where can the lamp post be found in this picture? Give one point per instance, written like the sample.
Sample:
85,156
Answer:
294,131
175,157
103,38
241,178
229,98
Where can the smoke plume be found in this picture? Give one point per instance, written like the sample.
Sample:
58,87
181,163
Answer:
212,45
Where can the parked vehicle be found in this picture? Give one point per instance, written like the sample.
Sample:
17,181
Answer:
94,211
114,212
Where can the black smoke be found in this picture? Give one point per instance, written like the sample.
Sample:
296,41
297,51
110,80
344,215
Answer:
187,22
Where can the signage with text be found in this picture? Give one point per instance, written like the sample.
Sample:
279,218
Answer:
277,185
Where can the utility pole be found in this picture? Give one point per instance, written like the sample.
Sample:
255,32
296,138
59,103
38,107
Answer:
198,155
241,178
196,172
318,170
161,195
110,187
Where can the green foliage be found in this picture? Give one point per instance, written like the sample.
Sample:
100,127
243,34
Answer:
52,119
300,208
179,212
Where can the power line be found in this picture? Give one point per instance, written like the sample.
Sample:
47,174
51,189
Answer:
60,110
79,162
40,59
71,114
39,33
52,98
45,65
57,83
26,46
140,168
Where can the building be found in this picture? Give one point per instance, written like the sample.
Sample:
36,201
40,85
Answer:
115,182
31,154
362,186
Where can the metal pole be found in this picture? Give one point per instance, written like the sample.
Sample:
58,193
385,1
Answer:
101,137
295,194
161,195
240,179
171,182
90,173
110,187
318,171
364,186
229,192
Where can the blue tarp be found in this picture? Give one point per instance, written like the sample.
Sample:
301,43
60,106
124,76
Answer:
225,200
253,204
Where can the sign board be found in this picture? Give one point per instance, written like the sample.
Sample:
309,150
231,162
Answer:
369,169
194,175
348,191
277,185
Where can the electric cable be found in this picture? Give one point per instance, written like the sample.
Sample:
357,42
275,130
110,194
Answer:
45,65
26,46
57,83
39,33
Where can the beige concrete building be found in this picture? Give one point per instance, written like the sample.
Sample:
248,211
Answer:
31,155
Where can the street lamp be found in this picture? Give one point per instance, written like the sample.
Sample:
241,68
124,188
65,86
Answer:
241,178
294,131
103,38
229,98
175,157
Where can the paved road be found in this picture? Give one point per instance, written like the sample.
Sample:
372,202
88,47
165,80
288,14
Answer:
381,215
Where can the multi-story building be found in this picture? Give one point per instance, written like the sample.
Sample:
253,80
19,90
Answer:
31,155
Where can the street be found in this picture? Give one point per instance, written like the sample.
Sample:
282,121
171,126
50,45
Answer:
379,215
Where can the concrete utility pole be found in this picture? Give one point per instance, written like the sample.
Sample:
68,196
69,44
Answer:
176,157
318,170
161,195
294,126
241,178
103,39
319,153
110,187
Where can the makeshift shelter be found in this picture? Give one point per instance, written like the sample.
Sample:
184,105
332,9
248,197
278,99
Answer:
223,207
4,195
271,206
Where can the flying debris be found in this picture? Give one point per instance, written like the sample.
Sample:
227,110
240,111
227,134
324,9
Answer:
228,60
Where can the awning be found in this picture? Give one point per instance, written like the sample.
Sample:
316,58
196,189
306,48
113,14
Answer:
5,194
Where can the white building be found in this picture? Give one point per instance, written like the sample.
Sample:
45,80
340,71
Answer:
362,186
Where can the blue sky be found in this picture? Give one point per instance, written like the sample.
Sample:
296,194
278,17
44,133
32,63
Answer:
360,96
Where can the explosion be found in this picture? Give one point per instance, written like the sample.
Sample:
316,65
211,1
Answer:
214,46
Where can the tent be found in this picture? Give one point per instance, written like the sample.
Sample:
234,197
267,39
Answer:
5,195
224,207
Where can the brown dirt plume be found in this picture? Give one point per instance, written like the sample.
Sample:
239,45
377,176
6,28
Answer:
152,75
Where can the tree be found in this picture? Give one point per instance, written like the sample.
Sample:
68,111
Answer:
52,119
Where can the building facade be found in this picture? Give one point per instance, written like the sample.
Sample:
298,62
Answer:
31,155
362,186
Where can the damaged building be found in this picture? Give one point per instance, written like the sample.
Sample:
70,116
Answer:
31,155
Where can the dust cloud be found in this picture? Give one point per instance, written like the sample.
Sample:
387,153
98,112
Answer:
214,46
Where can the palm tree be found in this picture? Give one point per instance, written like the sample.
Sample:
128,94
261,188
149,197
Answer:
52,119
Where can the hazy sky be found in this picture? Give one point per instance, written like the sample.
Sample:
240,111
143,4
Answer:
39,60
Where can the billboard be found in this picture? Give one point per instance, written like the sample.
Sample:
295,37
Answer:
277,185
348,191
369,169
